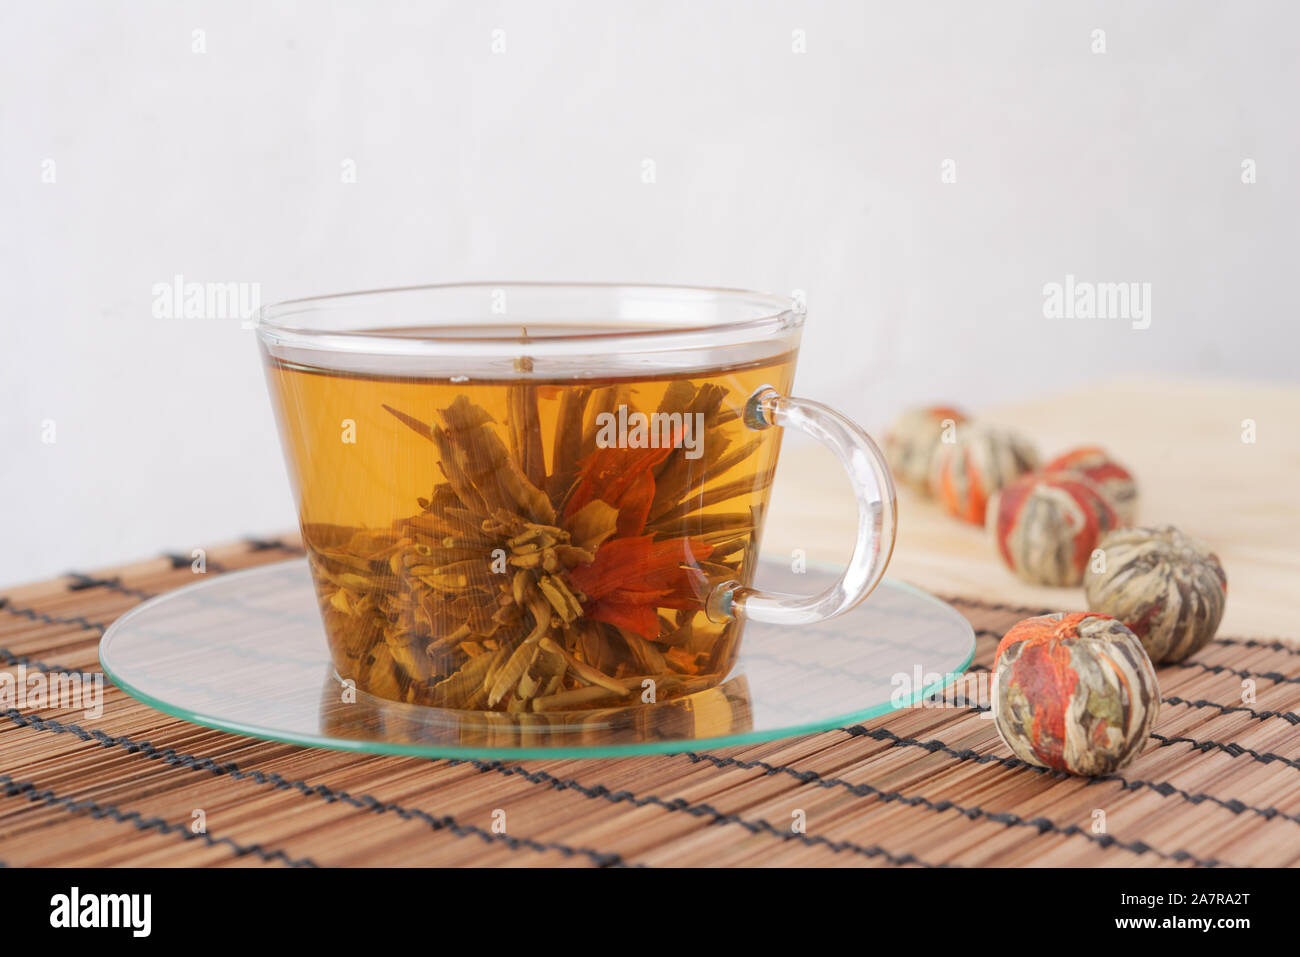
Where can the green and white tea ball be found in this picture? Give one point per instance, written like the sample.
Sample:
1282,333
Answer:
1074,693
1045,527
965,474
1113,480
1169,589
912,440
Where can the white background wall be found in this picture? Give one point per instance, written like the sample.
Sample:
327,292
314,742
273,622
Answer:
774,169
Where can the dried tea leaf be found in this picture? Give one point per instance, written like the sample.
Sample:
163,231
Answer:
510,673
525,426
709,496
458,687
585,672
484,461
561,598
577,698
416,426
592,525
567,447
646,655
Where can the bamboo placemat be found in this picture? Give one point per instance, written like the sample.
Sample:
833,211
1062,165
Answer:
1217,785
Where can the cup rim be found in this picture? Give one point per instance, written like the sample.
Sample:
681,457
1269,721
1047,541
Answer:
777,315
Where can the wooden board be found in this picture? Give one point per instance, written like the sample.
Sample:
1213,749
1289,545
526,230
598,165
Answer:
1183,441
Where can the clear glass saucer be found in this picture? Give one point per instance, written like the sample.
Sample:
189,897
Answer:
246,652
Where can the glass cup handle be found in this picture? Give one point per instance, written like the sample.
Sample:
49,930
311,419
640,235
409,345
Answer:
873,487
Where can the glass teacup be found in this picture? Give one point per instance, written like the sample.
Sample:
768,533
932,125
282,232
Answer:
549,497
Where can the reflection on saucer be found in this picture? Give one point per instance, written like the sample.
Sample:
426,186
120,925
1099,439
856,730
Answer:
246,652
717,712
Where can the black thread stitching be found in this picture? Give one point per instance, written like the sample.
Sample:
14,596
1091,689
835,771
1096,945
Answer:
27,790
365,802
759,826
270,544
1290,717
1268,643
40,616
1163,788
1230,748
10,658
1041,824
1276,676
81,582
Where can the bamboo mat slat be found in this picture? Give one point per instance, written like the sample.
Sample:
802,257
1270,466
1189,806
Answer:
1219,783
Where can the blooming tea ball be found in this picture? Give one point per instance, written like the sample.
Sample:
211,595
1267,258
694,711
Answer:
911,443
1074,692
965,473
1169,589
1046,526
1112,479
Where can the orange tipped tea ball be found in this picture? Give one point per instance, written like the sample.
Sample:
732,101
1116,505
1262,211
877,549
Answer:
911,442
1074,693
1169,589
965,473
1112,479
1046,526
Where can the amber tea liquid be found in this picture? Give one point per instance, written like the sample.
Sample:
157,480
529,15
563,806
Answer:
523,544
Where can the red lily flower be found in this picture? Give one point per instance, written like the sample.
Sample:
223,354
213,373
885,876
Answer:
623,478
631,577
